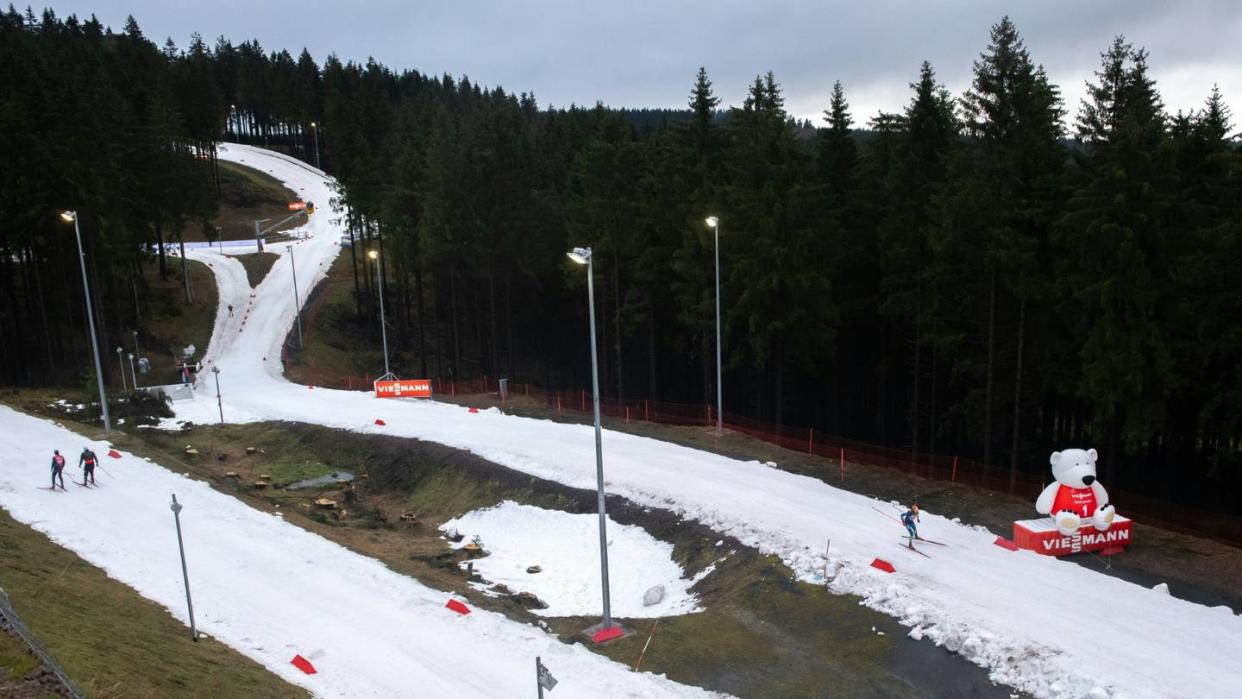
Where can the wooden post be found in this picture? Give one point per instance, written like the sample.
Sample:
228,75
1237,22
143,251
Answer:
627,414
810,441
646,411
584,400
954,479
842,464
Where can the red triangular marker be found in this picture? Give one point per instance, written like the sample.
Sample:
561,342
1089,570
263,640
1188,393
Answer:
607,634
458,607
883,565
303,664
114,453
1005,543
380,422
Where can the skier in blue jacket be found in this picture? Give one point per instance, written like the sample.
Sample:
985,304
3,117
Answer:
909,518
58,467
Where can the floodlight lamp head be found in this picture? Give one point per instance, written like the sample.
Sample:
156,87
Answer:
712,221
373,254
69,215
580,255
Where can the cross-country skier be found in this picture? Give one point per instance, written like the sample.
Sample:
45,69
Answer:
908,518
230,310
58,466
86,462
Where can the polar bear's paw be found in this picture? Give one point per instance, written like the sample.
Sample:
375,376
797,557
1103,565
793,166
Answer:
1068,522
1103,517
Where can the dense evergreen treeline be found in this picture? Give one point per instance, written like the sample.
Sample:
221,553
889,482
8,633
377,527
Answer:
967,278
119,130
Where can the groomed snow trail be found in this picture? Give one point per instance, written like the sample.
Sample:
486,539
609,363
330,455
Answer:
1050,628
272,590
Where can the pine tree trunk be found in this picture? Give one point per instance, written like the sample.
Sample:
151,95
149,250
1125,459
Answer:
185,269
422,311
353,261
159,239
651,351
987,401
915,380
616,303
1017,401
491,295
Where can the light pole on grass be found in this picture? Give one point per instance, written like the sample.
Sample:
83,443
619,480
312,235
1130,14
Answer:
215,370
379,266
132,373
714,223
90,317
583,257
120,359
315,128
185,575
297,299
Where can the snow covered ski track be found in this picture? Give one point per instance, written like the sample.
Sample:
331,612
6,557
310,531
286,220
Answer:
272,590
1050,628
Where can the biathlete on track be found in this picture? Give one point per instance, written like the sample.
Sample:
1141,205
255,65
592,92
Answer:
86,462
910,518
58,467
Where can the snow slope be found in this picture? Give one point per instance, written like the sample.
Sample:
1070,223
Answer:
272,590
1048,627
566,547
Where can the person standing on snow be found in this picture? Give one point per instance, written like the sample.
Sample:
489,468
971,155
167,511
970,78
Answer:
230,310
909,518
86,462
58,467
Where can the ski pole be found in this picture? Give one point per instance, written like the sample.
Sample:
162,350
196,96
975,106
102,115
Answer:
101,468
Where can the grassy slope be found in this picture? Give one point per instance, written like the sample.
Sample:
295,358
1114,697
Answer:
171,324
108,638
247,195
257,265
336,345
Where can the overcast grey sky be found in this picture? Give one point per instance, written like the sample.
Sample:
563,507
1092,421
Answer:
646,53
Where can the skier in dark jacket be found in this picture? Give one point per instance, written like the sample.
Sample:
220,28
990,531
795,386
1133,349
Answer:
909,518
86,462
58,467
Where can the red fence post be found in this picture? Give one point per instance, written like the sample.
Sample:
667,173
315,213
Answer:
810,442
627,414
584,401
954,479
558,404
646,411
842,464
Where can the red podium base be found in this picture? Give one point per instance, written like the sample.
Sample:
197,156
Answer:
1041,536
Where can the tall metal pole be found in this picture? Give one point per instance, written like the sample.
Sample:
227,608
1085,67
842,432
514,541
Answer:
599,447
719,382
137,352
297,299
219,403
90,317
379,265
120,359
132,374
185,575
316,128
539,676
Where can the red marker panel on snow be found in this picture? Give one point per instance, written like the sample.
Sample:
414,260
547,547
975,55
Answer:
474,410
114,453
457,607
607,634
883,565
303,664
1005,543
380,422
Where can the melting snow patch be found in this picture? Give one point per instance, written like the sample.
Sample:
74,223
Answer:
566,546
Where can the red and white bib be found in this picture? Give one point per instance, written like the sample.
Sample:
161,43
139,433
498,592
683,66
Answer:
1080,501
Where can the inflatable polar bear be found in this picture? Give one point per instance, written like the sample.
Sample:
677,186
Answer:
1075,497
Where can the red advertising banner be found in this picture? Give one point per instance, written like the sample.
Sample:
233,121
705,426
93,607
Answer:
403,388
297,205
1041,535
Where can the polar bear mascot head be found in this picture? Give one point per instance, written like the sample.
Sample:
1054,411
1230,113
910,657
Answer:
1075,498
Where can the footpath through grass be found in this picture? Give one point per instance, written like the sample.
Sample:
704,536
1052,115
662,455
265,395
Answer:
109,639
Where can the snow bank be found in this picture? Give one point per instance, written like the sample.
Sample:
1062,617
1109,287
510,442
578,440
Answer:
566,547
